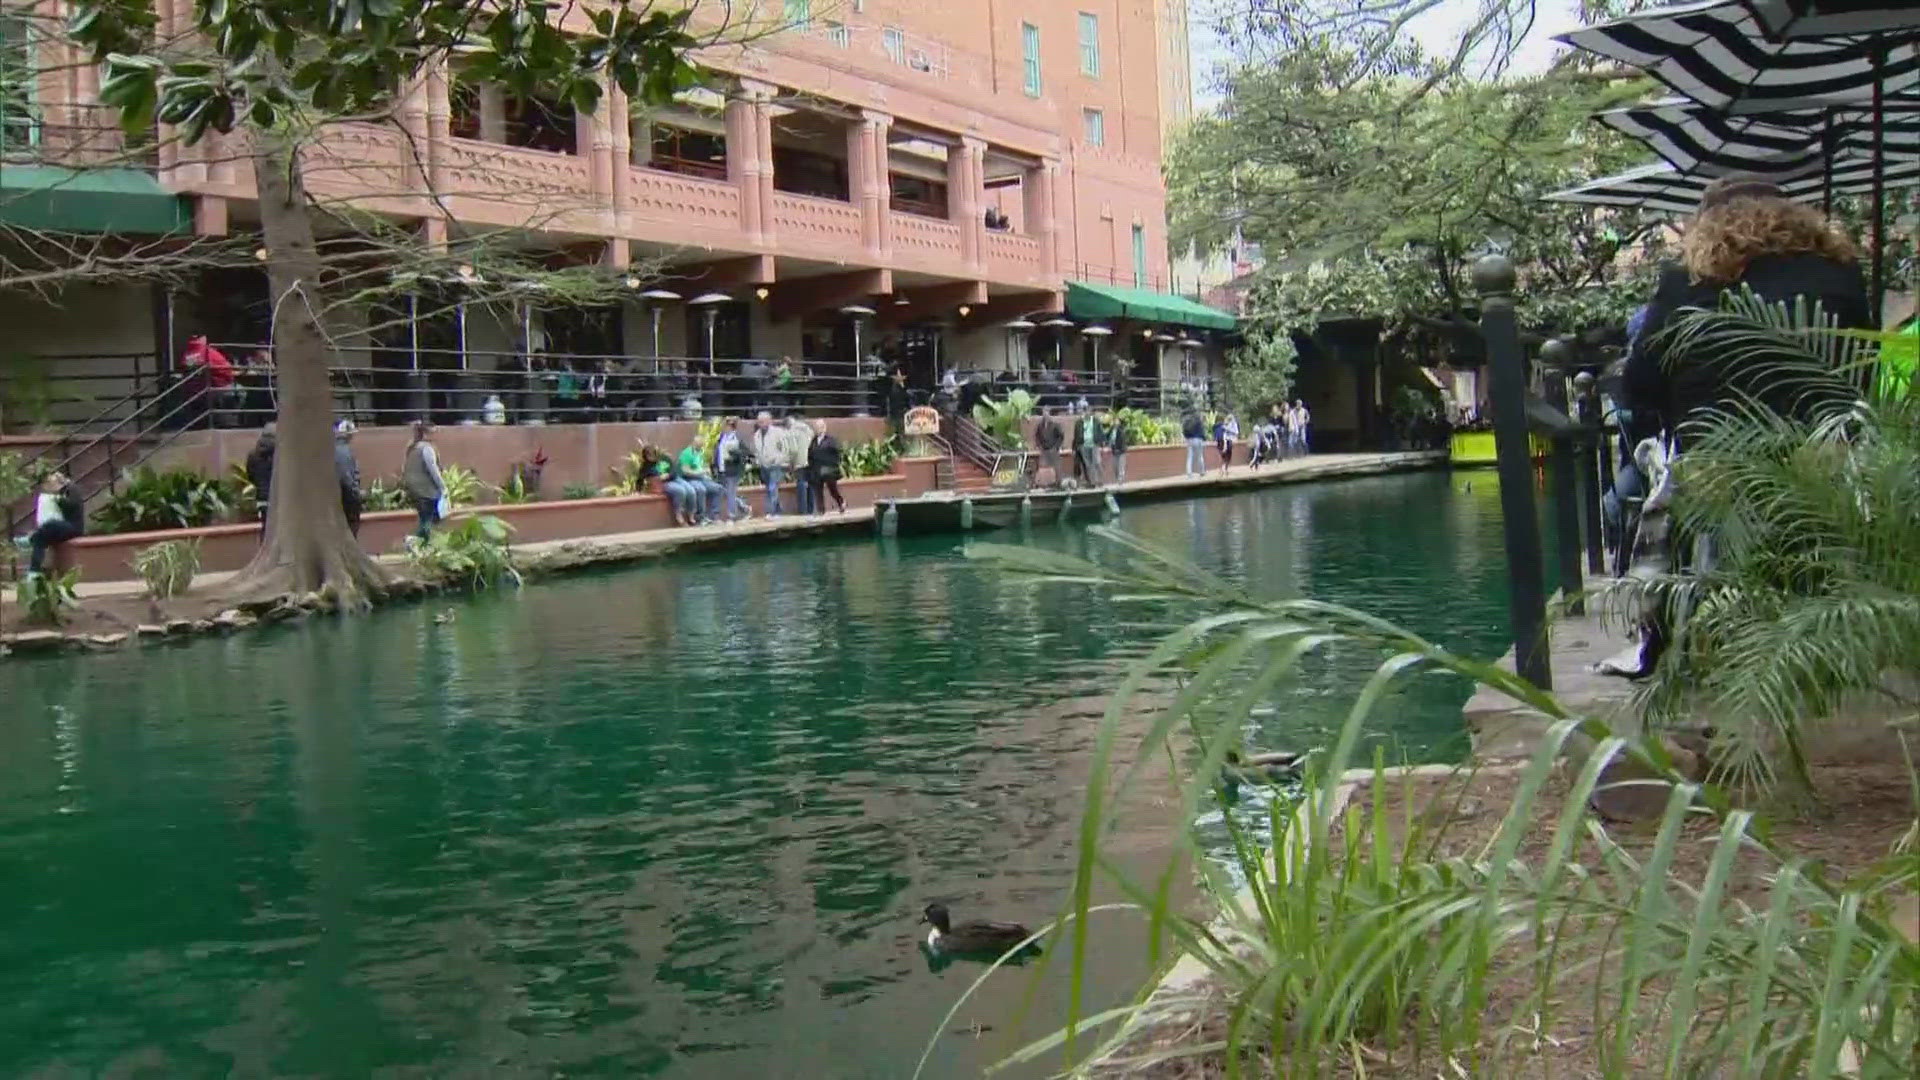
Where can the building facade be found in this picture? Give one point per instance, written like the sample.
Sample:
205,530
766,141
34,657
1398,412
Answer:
949,167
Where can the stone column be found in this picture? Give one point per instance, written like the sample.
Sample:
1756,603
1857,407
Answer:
763,132
862,192
975,226
743,164
1048,231
878,126
963,201
621,126
439,93
493,114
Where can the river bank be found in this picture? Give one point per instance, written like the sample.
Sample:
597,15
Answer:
116,614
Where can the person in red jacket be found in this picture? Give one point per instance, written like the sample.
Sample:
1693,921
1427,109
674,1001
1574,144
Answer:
207,378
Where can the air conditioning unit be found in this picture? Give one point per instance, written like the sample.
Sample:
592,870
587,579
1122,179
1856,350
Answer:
918,61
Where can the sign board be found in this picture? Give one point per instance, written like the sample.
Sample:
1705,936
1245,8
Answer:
1010,471
922,420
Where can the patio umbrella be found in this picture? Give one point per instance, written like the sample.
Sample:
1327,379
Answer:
1662,187
1792,20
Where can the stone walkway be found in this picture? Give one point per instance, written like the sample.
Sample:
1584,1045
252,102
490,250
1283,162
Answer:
636,546
1502,728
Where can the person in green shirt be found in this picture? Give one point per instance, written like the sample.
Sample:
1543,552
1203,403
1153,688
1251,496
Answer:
1089,437
693,472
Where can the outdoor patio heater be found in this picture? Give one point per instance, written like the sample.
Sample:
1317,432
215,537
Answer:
657,300
711,303
1014,329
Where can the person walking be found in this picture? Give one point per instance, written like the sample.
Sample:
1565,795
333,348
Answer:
1090,435
1194,430
730,462
824,461
260,470
1047,438
421,478
348,472
793,445
693,473
59,515
1297,421
1226,432
1117,444
770,456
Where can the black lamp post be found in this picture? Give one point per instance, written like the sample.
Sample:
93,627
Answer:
1493,279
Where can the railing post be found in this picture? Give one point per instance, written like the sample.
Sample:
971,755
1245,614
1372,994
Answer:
1556,357
1493,279
1587,390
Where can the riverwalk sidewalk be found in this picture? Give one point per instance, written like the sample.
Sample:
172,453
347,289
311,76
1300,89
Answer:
636,546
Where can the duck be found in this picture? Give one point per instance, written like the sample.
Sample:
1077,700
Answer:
443,618
977,936
1267,768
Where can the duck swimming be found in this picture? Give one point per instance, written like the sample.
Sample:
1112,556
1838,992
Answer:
976,936
1271,768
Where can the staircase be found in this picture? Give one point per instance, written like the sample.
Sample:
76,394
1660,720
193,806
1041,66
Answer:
968,464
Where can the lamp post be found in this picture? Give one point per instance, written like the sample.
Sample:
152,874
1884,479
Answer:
858,312
711,303
656,301
1493,279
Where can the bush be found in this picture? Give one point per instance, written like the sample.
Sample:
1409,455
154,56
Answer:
240,492
386,495
47,598
1005,421
873,458
514,492
579,491
151,499
168,567
462,485
1145,429
475,554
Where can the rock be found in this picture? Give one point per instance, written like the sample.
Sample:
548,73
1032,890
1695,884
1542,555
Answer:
105,641
179,626
201,626
257,608
34,641
233,619
150,630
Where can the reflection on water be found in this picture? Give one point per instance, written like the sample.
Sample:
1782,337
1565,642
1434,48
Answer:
674,821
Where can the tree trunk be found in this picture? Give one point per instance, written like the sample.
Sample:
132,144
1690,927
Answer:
306,546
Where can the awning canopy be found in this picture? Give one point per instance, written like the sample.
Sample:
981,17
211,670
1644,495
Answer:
1119,302
1791,19
1718,54
1696,139
118,200
1662,187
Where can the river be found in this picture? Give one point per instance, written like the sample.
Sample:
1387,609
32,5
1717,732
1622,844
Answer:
675,821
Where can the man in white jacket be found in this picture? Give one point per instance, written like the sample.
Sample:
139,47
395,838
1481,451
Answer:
768,445
794,443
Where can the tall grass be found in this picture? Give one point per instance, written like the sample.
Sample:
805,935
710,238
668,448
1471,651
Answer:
1359,931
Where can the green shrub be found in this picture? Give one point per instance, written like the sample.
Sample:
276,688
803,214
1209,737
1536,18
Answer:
462,485
240,492
387,495
168,567
474,553
1005,421
150,499
1145,429
579,491
514,492
15,480
874,458
47,598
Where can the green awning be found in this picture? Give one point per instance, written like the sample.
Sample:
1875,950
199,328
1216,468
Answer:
56,199
1119,302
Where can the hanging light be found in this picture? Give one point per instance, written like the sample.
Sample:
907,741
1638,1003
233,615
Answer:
965,311
760,293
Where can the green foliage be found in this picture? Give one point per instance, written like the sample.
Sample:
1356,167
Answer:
1003,420
26,392
1372,936
473,553
1260,371
463,486
47,599
579,491
1379,182
514,492
631,472
16,481
1813,593
1145,429
384,494
150,499
271,64
872,458
168,567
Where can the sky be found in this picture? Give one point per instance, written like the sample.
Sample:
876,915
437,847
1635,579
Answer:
1437,30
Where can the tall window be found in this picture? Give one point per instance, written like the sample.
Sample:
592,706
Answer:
1090,44
1030,57
894,41
837,34
19,103
799,12
1139,256
1096,125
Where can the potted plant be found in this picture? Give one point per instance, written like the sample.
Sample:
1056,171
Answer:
526,473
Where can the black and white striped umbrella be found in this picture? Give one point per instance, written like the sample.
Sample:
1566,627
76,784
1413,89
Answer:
1718,53
1661,187
1789,20
1696,139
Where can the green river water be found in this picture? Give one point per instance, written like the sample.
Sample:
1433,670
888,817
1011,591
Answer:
673,821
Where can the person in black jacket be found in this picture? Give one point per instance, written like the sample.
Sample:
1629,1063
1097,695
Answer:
59,515
260,469
1047,438
1194,430
1746,234
823,461
1117,443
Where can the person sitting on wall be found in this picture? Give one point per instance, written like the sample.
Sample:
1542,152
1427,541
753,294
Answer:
681,497
693,472
59,515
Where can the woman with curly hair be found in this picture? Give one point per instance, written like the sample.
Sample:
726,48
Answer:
1746,233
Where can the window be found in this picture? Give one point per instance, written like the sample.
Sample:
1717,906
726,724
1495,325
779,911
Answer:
894,41
1030,57
19,103
1095,122
914,195
799,12
1139,256
1089,44
837,34
690,153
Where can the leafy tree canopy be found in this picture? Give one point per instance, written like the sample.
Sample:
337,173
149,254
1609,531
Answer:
1371,184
